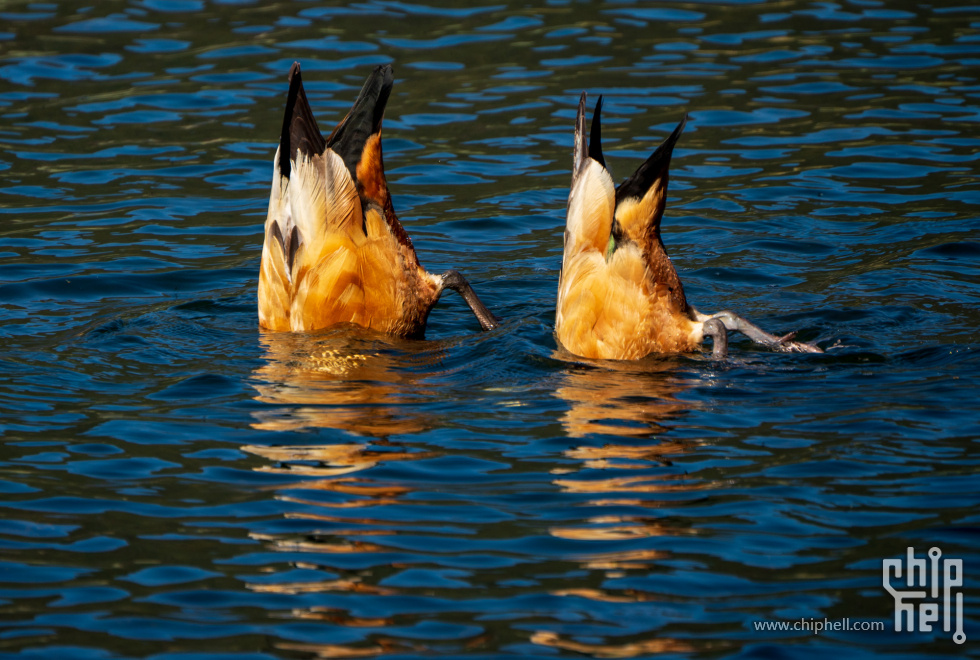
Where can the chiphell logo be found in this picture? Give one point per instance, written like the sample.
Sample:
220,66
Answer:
928,587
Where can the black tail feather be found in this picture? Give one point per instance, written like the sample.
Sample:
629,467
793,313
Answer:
364,118
299,128
656,167
595,135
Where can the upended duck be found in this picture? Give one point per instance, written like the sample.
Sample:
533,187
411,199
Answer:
334,250
619,296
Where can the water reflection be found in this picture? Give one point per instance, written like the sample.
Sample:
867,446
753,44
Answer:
326,490
325,534
459,506
620,488
345,379
630,400
622,398
322,463
627,650
343,545
354,381
340,651
632,501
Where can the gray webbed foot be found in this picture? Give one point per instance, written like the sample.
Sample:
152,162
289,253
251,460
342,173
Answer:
785,344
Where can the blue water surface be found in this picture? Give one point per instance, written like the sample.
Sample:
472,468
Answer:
176,484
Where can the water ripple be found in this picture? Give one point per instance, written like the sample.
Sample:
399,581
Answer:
178,484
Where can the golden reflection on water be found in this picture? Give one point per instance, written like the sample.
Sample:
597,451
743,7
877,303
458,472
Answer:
630,404
338,617
328,468
384,646
627,650
628,400
345,382
622,398
323,462
353,585
354,382
344,379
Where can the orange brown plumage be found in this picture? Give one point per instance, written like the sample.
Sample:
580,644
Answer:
619,296
334,250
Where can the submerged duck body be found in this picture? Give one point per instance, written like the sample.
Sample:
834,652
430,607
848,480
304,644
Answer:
334,250
619,296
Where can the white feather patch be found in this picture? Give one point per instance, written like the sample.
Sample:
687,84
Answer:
591,204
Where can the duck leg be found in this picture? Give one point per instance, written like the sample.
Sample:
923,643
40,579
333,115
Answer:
785,344
451,279
715,329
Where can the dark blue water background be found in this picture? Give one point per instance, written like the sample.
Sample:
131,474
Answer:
176,484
